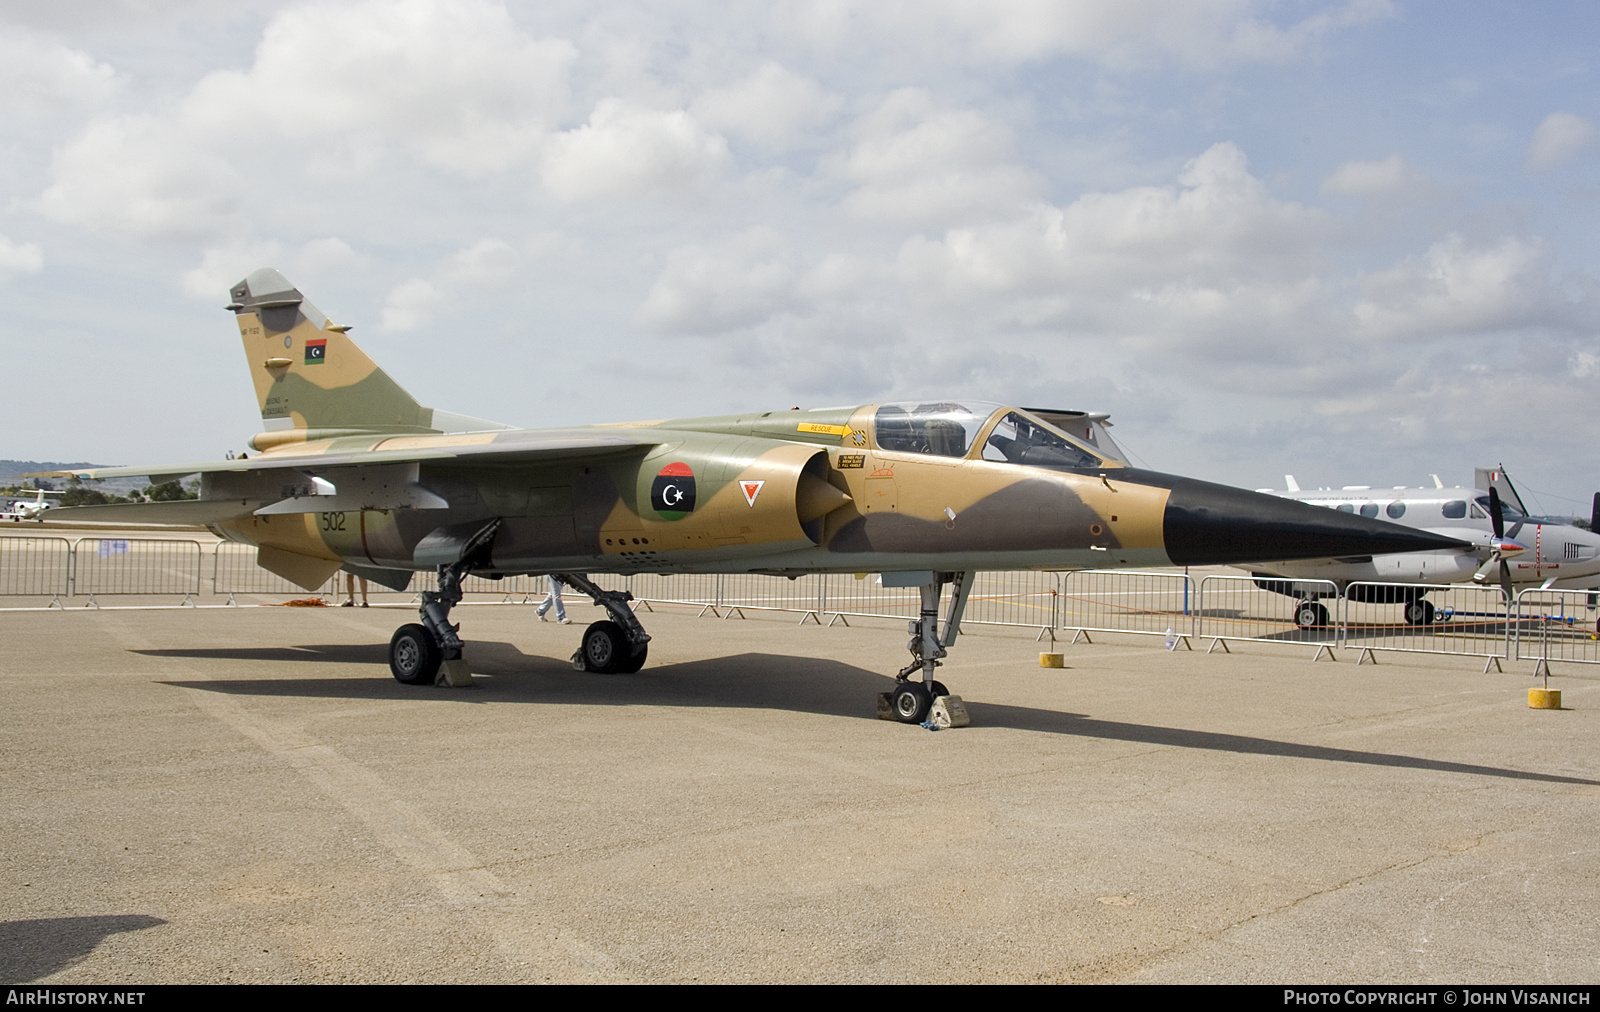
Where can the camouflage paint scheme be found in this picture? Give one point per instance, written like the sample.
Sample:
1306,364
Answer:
353,473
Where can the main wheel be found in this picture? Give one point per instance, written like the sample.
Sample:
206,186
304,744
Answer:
414,657
635,662
935,690
1310,615
606,648
910,702
1419,613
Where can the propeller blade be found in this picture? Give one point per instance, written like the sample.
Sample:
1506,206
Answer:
1497,514
1505,581
1594,514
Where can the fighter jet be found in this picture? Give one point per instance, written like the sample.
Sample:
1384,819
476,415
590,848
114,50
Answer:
353,473
1505,547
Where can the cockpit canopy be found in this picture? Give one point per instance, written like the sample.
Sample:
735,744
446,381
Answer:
979,429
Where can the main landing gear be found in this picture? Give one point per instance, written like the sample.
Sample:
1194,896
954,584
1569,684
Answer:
911,701
615,647
418,653
1310,614
1420,612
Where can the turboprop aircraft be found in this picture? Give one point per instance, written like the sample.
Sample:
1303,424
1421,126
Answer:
24,510
1504,545
352,473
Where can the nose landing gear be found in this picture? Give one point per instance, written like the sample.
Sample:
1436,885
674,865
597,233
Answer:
912,702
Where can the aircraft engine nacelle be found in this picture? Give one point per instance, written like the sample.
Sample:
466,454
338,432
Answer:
735,491
1426,567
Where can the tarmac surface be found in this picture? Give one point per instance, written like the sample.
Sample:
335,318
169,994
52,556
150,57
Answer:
243,795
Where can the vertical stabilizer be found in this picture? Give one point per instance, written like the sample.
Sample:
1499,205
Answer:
312,381
1495,478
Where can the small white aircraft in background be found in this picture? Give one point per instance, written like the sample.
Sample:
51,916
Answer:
1508,547
21,509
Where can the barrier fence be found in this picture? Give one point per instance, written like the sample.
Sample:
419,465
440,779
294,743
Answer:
1241,608
1556,625
35,567
1110,600
1543,625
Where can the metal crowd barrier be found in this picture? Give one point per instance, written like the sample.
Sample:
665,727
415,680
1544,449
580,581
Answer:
32,567
1556,625
804,594
1543,625
1239,608
1021,599
150,566
1124,601
702,590
1462,620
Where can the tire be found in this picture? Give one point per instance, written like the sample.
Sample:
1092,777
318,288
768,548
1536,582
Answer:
937,689
635,662
606,648
910,702
1310,615
414,657
1419,612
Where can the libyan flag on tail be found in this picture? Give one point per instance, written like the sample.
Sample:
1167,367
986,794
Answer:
316,351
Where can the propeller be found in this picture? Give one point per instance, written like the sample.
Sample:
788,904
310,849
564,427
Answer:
1502,547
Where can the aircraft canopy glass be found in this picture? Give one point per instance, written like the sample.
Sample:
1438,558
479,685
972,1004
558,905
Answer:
1021,439
944,429
949,429
1510,512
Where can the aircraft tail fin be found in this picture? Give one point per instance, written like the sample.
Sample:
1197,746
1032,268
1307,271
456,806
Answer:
1495,478
312,381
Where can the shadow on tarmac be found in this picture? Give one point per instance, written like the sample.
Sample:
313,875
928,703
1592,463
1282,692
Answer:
30,950
753,681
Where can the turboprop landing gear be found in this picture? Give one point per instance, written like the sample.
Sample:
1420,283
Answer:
1310,615
615,647
1419,612
910,702
418,653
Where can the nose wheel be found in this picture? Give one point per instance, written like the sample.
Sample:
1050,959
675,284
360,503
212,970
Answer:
912,702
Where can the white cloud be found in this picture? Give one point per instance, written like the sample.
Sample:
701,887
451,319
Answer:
708,289
628,150
1561,136
19,258
143,176
409,306
486,263
915,164
457,83
1458,288
773,107
39,75
334,89
1367,179
1133,33
1218,229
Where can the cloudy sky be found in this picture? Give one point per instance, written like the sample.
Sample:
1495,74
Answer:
1355,240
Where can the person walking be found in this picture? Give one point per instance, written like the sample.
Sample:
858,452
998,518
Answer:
554,598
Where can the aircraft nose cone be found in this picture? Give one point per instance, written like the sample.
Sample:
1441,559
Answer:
1212,525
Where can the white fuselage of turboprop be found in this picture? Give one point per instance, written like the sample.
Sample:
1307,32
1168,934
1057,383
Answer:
1554,554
